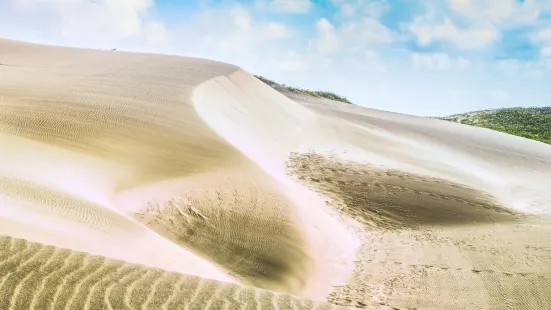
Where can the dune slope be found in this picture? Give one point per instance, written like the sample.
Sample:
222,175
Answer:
104,153
164,180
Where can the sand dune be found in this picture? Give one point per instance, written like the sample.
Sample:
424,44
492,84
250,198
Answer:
133,179
34,276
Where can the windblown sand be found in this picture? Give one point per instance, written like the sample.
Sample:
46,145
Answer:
132,181
35,276
431,243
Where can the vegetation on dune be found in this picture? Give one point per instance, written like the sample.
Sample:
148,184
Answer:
317,93
532,123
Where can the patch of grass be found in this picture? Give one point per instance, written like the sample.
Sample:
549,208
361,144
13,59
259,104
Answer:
317,93
532,123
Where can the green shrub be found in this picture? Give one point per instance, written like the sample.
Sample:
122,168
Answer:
532,123
319,94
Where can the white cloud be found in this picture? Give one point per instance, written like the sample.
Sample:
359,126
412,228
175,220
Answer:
327,41
241,17
156,33
277,30
347,9
510,66
427,31
544,35
463,63
516,68
239,38
291,62
290,6
371,61
365,32
84,22
291,65
324,26
506,12
440,61
376,9
534,74
353,36
542,38
482,21
372,8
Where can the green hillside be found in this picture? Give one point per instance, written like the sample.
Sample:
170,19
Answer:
316,93
532,123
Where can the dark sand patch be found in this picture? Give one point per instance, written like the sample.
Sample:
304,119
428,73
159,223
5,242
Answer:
392,199
246,228
432,244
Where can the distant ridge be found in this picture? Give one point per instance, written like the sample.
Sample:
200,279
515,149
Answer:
532,123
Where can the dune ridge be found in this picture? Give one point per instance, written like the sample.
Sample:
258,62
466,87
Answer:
266,127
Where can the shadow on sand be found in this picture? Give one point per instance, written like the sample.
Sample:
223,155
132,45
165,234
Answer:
391,199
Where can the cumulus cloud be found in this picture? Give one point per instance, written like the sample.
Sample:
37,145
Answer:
475,24
375,9
515,68
544,35
292,62
534,74
542,38
84,22
156,33
290,6
350,8
276,30
511,12
234,34
241,18
327,41
366,31
440,61
427,31
509,65
351,36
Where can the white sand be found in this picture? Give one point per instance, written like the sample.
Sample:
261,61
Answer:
88,139
516,170
115,131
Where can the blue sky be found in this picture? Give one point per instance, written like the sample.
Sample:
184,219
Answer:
422,57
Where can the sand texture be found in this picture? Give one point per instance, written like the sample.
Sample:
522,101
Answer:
35,276
433,244
140,181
